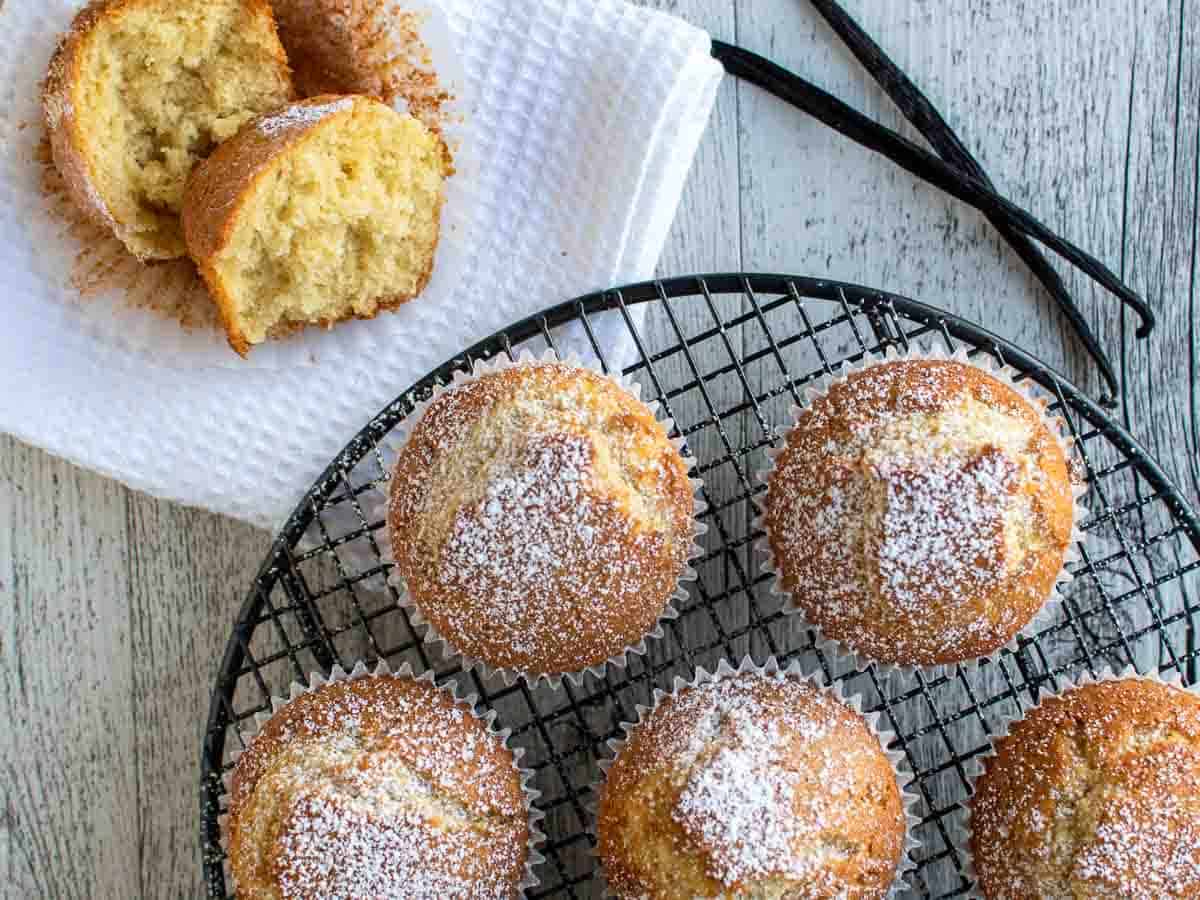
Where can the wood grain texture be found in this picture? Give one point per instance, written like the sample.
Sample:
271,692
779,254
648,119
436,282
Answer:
114,607
183,595
70,772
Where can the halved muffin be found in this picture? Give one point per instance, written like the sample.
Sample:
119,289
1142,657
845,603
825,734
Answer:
326,210
140,90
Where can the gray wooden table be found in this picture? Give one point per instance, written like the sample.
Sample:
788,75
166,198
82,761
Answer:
114,607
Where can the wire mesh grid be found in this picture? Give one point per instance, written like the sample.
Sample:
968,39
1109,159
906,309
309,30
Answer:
727,367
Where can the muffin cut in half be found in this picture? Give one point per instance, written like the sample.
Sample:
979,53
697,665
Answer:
324,211
140,90
1094,794
753,785
382,786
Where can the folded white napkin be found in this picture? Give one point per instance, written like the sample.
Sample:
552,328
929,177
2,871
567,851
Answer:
579,121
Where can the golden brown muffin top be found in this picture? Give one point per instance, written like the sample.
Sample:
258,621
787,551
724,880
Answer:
380,786
540,518
751,784
920,512
1094,794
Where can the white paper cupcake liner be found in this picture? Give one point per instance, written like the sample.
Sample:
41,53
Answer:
337,673
973,768
1044,616
399,436
904,776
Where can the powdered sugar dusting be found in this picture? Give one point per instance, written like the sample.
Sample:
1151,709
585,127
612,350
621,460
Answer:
775,775
741,801
942,526
557,512
1147,847
378,787
1095,793
906,514
335,851
301,115
528,499
537,525
413,721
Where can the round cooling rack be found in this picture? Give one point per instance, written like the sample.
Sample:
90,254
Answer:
726,356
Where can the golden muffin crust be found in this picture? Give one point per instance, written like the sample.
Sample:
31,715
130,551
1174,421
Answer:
139,91
377,787
752,785
1094,794
540,518
326,210
920,512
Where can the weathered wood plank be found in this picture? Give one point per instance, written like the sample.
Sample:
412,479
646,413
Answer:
1157,159
189,572
69,786
818,204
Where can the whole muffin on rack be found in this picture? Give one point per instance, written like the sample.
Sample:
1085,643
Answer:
540,518
1094,794
920,512
382,786
753,785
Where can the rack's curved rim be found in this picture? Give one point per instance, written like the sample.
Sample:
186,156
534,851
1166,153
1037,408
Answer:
865,298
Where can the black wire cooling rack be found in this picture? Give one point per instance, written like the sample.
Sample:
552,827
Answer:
726,356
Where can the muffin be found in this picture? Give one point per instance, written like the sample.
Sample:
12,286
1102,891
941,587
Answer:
540,518
920,512
324,211
140,90
1094,794
382,786
756,784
